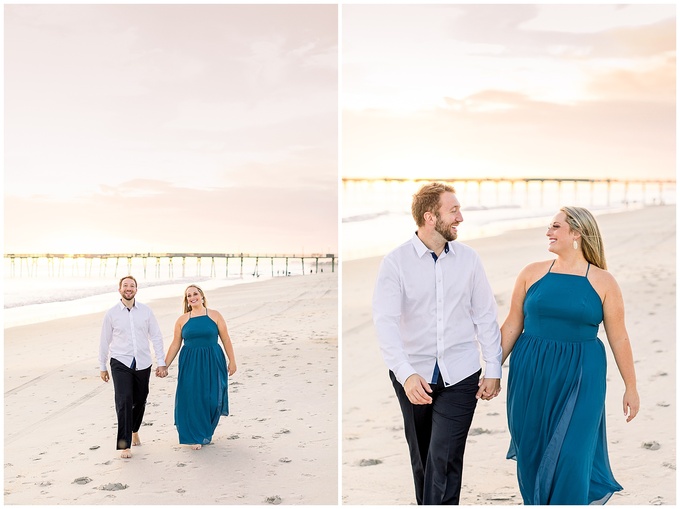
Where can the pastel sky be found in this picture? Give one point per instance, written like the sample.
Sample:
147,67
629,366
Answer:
183,128
509,91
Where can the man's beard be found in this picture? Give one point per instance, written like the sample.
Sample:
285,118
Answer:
445,230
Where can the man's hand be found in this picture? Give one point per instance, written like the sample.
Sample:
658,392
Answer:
417,389
489,388
104,375
162,371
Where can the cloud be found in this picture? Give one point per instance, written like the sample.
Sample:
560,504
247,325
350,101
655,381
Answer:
530,138
258,219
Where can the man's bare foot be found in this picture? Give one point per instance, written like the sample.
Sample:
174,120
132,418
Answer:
126,453
196,447
135,439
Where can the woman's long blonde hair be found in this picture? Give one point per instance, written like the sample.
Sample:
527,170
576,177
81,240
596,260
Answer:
582,221
187,306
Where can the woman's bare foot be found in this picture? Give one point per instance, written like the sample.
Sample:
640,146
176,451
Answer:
135,439
196,447
126,453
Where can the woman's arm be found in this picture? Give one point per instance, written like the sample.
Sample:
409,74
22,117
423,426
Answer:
226,340
615,327
514,323
176,341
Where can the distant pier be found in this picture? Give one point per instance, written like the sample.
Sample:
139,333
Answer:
219,263
655,187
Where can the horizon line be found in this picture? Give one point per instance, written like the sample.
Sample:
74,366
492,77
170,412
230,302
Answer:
167,255
512,179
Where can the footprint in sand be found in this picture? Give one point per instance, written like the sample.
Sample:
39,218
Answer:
651,446
369,462
113,487
479,431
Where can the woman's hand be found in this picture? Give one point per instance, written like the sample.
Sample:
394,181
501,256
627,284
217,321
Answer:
231,368
631,404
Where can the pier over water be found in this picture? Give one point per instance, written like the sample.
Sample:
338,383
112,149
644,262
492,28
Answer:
532,190
156,264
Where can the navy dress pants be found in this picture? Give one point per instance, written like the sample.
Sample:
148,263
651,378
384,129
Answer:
131,387
436,436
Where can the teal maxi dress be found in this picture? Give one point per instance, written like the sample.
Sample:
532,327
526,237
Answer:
202,380
556,396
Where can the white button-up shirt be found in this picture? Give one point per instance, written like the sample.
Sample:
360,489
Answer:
126,334
441,312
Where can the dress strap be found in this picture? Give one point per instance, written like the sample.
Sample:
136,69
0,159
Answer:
587,269
551,265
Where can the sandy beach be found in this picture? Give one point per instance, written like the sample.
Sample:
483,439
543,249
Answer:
279,445
640,249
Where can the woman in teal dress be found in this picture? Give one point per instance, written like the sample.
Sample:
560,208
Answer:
203,371
558,367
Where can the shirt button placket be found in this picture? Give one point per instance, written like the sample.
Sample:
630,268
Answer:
132,334
440,313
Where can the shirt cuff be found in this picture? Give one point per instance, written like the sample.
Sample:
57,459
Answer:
404,372
493,370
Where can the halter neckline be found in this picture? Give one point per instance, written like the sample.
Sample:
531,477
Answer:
553,263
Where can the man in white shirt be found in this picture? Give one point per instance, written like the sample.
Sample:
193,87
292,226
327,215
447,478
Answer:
433,309
128,327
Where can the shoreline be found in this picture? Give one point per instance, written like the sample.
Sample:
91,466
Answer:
28,314
475,227
640,250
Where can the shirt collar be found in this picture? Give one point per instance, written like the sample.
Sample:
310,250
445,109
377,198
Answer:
123,306
422,249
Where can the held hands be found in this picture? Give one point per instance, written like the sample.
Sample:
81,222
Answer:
417,389
489,388
162,371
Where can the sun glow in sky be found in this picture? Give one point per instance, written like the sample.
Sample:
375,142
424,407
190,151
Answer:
182,128
467,90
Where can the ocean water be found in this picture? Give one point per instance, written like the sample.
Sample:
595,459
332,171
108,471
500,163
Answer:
376,215
41,291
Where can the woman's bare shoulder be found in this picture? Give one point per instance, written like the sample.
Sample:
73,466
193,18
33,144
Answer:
184,318
214,314
535,268
602,280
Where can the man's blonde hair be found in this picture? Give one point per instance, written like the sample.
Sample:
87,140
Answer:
428,199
